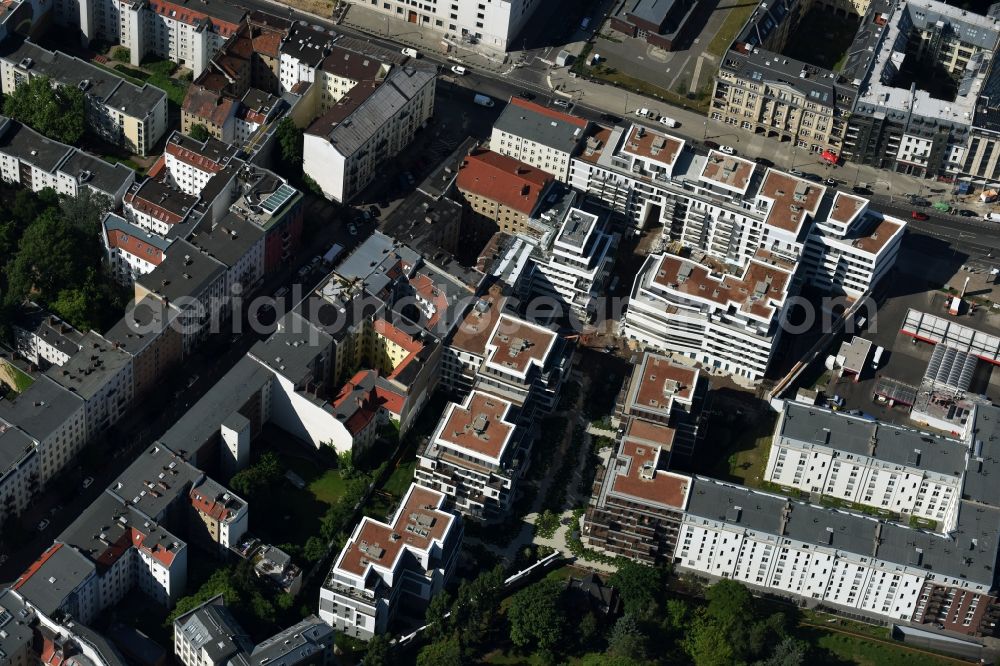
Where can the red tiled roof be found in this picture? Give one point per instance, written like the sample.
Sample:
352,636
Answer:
209,506
549,113
135,246
184,14
641,476
503,179
208,105
196,160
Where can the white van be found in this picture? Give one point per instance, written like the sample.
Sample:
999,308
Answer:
669,122
643,112
458,69
413,53
482,100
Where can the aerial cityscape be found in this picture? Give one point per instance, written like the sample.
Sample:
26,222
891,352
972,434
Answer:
447,332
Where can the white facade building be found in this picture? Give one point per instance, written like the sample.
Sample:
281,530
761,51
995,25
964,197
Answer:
539,136
384,565
854,460
726,321
492,23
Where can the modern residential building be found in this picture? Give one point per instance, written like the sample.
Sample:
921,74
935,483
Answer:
895,125
186,35
852,460
982,159
120,112
667,393
385,566
575,266
34,162
493,24
476,456
726,321
502,191
539,136
637,506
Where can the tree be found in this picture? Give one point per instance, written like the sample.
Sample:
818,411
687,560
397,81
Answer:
345,461
86,210
57,112
377,653
258,478
731,612
290,142
199,132
627,639
122,54
437,624
50,256
314,549
640,586
789,652
473,611
536,617
447,652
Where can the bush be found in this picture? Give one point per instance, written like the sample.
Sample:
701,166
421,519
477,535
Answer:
121,54
547,524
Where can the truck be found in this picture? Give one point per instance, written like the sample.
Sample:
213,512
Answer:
668,121
955,306
877,357
482,100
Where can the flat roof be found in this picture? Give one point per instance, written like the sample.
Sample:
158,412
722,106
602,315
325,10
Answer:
87,372
656,382
186,271
893,444
293,349
480,426
418,523
41,409
761,284
855,352
649,144
479,322
516,344
792,199
728,171
640,469
15,446
229,239
53,577
156,478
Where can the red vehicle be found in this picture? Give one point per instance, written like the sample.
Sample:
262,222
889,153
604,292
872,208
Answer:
917,215
831,157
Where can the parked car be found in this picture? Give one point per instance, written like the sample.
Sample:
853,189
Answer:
524,94
861,190
561,103
711,145
413,53
814,177
796,173
374,211
668,121
610,117
917,215
281,292
458,69
831,182
43,524
88,481
728,150
302,272
483,100
763,161
965,212
643,112
352,229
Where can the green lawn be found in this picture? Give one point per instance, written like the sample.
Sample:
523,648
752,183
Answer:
643,87
745,454
15,377
832,647
400,479
296,515
154,73
734,21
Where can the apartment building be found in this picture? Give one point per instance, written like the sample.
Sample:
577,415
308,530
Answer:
266,200
896,126
101,374
492,23
501,190
150,334
726,321
237,244
667,393
637,505
154,206
44,339
122,113
539,136
190,164
844,560
54,418
302,52
759,91
209,635
575,266
131,250
386,565
34,162
224,514
366,111
194,285
476,456
185,34
856,461
19,472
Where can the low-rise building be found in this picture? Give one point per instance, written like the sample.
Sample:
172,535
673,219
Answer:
476,456
44,339
387,565
120,112
539,136
637,505
665,25
224,514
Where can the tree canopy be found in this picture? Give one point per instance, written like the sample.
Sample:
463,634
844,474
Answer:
199,132
537,618
56,111
641,587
